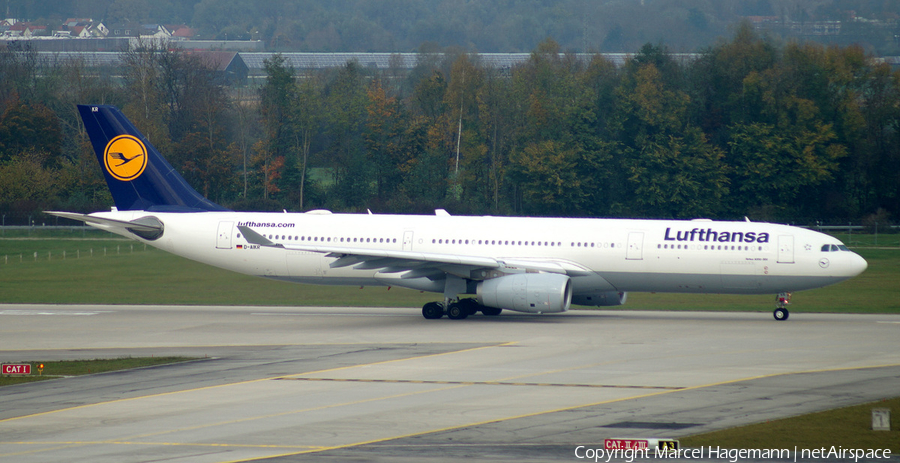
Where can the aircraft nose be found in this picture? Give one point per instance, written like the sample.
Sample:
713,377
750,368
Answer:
857,264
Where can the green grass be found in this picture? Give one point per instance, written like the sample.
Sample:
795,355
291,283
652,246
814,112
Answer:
130,273
847,427
137,278
57,369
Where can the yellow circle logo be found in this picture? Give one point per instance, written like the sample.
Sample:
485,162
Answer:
125,158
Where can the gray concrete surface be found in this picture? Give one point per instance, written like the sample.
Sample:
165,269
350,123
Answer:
341,384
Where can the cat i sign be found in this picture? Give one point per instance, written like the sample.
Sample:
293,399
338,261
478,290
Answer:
16,369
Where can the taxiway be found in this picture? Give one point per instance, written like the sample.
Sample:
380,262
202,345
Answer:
374,384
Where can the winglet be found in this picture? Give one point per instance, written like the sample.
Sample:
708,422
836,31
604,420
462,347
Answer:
255,238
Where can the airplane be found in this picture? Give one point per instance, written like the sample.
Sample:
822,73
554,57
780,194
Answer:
525,264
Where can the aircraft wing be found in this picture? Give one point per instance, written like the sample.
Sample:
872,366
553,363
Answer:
418,264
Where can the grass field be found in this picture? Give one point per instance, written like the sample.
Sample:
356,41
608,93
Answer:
92,267
838,427
64,368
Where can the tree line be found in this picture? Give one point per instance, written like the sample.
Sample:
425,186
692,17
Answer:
793,133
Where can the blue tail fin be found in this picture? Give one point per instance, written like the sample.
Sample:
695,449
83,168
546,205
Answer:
138,176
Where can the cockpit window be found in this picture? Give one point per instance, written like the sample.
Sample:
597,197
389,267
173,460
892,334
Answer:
843,248
826,248
834,248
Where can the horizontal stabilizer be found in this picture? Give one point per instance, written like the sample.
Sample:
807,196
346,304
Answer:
146,227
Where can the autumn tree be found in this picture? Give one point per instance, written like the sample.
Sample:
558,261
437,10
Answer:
385,129
18,72
306,118
276,96
717,79
345,96
30,128
672,170
145,106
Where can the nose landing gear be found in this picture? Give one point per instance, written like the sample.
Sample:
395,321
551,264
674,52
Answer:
781,302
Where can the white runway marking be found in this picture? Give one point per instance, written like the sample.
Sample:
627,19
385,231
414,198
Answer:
43,313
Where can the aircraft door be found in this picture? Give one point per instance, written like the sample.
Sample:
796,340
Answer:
223,238
407,240
635,250
785,249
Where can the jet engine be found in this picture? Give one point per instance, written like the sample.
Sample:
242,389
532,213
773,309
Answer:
604,298
527,292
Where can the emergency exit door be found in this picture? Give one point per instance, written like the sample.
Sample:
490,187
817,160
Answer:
407,240
635,250
223,240
786,249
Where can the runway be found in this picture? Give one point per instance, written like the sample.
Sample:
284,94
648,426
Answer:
373,384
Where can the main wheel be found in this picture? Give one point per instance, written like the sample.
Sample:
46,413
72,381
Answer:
491,311
781,314
432,311
457,311
471,305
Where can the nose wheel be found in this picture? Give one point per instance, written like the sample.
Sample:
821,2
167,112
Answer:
781,302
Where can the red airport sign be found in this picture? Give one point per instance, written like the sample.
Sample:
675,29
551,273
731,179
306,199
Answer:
625,444
16,369
641,444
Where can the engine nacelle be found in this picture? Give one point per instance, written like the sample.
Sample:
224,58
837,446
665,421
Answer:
527,292
605,298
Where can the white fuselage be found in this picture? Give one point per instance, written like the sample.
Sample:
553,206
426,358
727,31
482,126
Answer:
699,256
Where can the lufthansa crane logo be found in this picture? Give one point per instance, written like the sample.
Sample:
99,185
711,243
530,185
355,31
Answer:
125,158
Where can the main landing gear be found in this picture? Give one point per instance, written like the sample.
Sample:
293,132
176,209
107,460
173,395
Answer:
457,310
781,302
